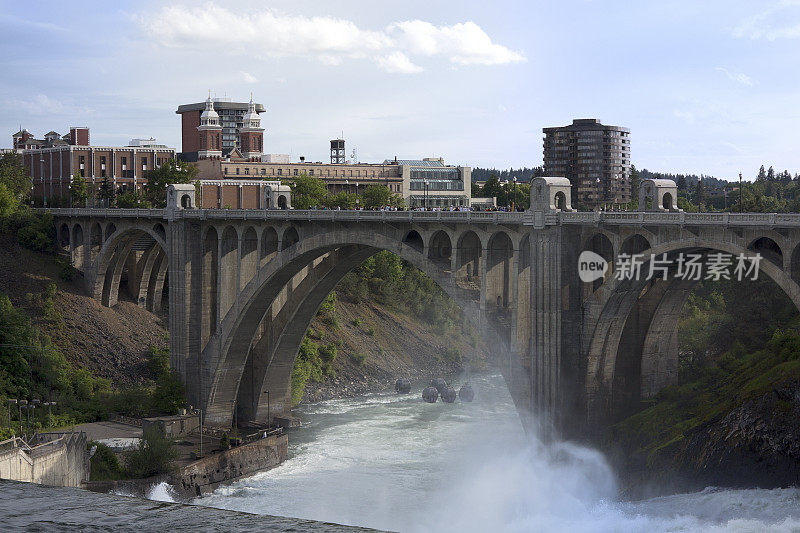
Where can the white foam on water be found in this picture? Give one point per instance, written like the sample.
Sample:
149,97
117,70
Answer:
392,462
161,492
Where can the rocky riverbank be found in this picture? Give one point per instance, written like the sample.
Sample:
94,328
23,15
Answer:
393,345
756,444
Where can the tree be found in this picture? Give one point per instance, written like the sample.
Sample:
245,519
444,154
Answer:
681,183
307,192
106,192
770,174
131,198
762,175
14,176
160,178
77,191
699,194
636,179
342,200
375,196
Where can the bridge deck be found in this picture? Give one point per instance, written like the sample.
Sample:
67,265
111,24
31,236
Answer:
526,218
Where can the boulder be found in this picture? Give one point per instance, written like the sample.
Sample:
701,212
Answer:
430,394
449,395
402,386
466,394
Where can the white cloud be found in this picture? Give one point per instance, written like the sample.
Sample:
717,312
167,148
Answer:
463,44
738,77
686,116
249,78
268,33
781,21
42,105
397,62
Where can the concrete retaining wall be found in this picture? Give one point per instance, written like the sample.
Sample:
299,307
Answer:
61,462
207,474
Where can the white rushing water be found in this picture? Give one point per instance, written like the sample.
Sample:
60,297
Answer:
394,462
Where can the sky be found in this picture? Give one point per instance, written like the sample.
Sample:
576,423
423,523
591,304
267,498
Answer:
708,87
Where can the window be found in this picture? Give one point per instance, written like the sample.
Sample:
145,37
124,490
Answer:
225,170
295,172
246,171
311,172
237,171
280,172
82,161
263,171
103,166
144,163
124,163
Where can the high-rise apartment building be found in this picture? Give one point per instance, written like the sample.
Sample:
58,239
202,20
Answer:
596,158
231,121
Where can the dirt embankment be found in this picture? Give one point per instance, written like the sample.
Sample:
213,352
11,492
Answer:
109,342
393,345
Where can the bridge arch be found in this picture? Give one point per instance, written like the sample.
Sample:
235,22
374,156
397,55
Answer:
769,250
326,258
636,316
269,245
635,244
440,248
134,251
414,240
111,228
601,244
64,236
468,256
77,246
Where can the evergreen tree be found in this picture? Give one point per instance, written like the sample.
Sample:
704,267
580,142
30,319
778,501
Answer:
770,174
762,175
77,191
106,193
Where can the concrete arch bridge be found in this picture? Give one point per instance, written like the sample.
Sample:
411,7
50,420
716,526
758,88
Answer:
243,286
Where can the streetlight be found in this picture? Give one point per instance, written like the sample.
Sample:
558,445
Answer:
425,197
41,175
34,403
21,403
514,201
356,192
49,405
199,413
741,205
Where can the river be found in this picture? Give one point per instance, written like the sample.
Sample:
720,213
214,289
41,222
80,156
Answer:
394,462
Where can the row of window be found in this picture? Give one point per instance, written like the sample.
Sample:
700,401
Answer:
327,173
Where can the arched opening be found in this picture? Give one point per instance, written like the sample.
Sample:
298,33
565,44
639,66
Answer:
768,249
414,240
63,237
210,294
440,248
468,258
110,230
634,245
282,203
560,201
228,269
249,256
269,245
636,347
601,245
77,246
254,362
498,270
290,237
186,201
667,203
96,241
159,230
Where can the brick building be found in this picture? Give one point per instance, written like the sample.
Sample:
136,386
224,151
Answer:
237,125
55,160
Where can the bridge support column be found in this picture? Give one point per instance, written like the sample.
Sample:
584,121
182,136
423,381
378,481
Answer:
546,332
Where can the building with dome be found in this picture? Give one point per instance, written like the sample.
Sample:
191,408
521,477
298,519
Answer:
238,126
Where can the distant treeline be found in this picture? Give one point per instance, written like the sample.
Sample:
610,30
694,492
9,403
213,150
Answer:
523,175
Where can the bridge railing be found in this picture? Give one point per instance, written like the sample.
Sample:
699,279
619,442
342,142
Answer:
681,218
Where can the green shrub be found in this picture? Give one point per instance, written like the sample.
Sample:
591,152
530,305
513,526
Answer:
158,360
154,455
105,465
168,396
356,322
359,358
68,272
371,331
